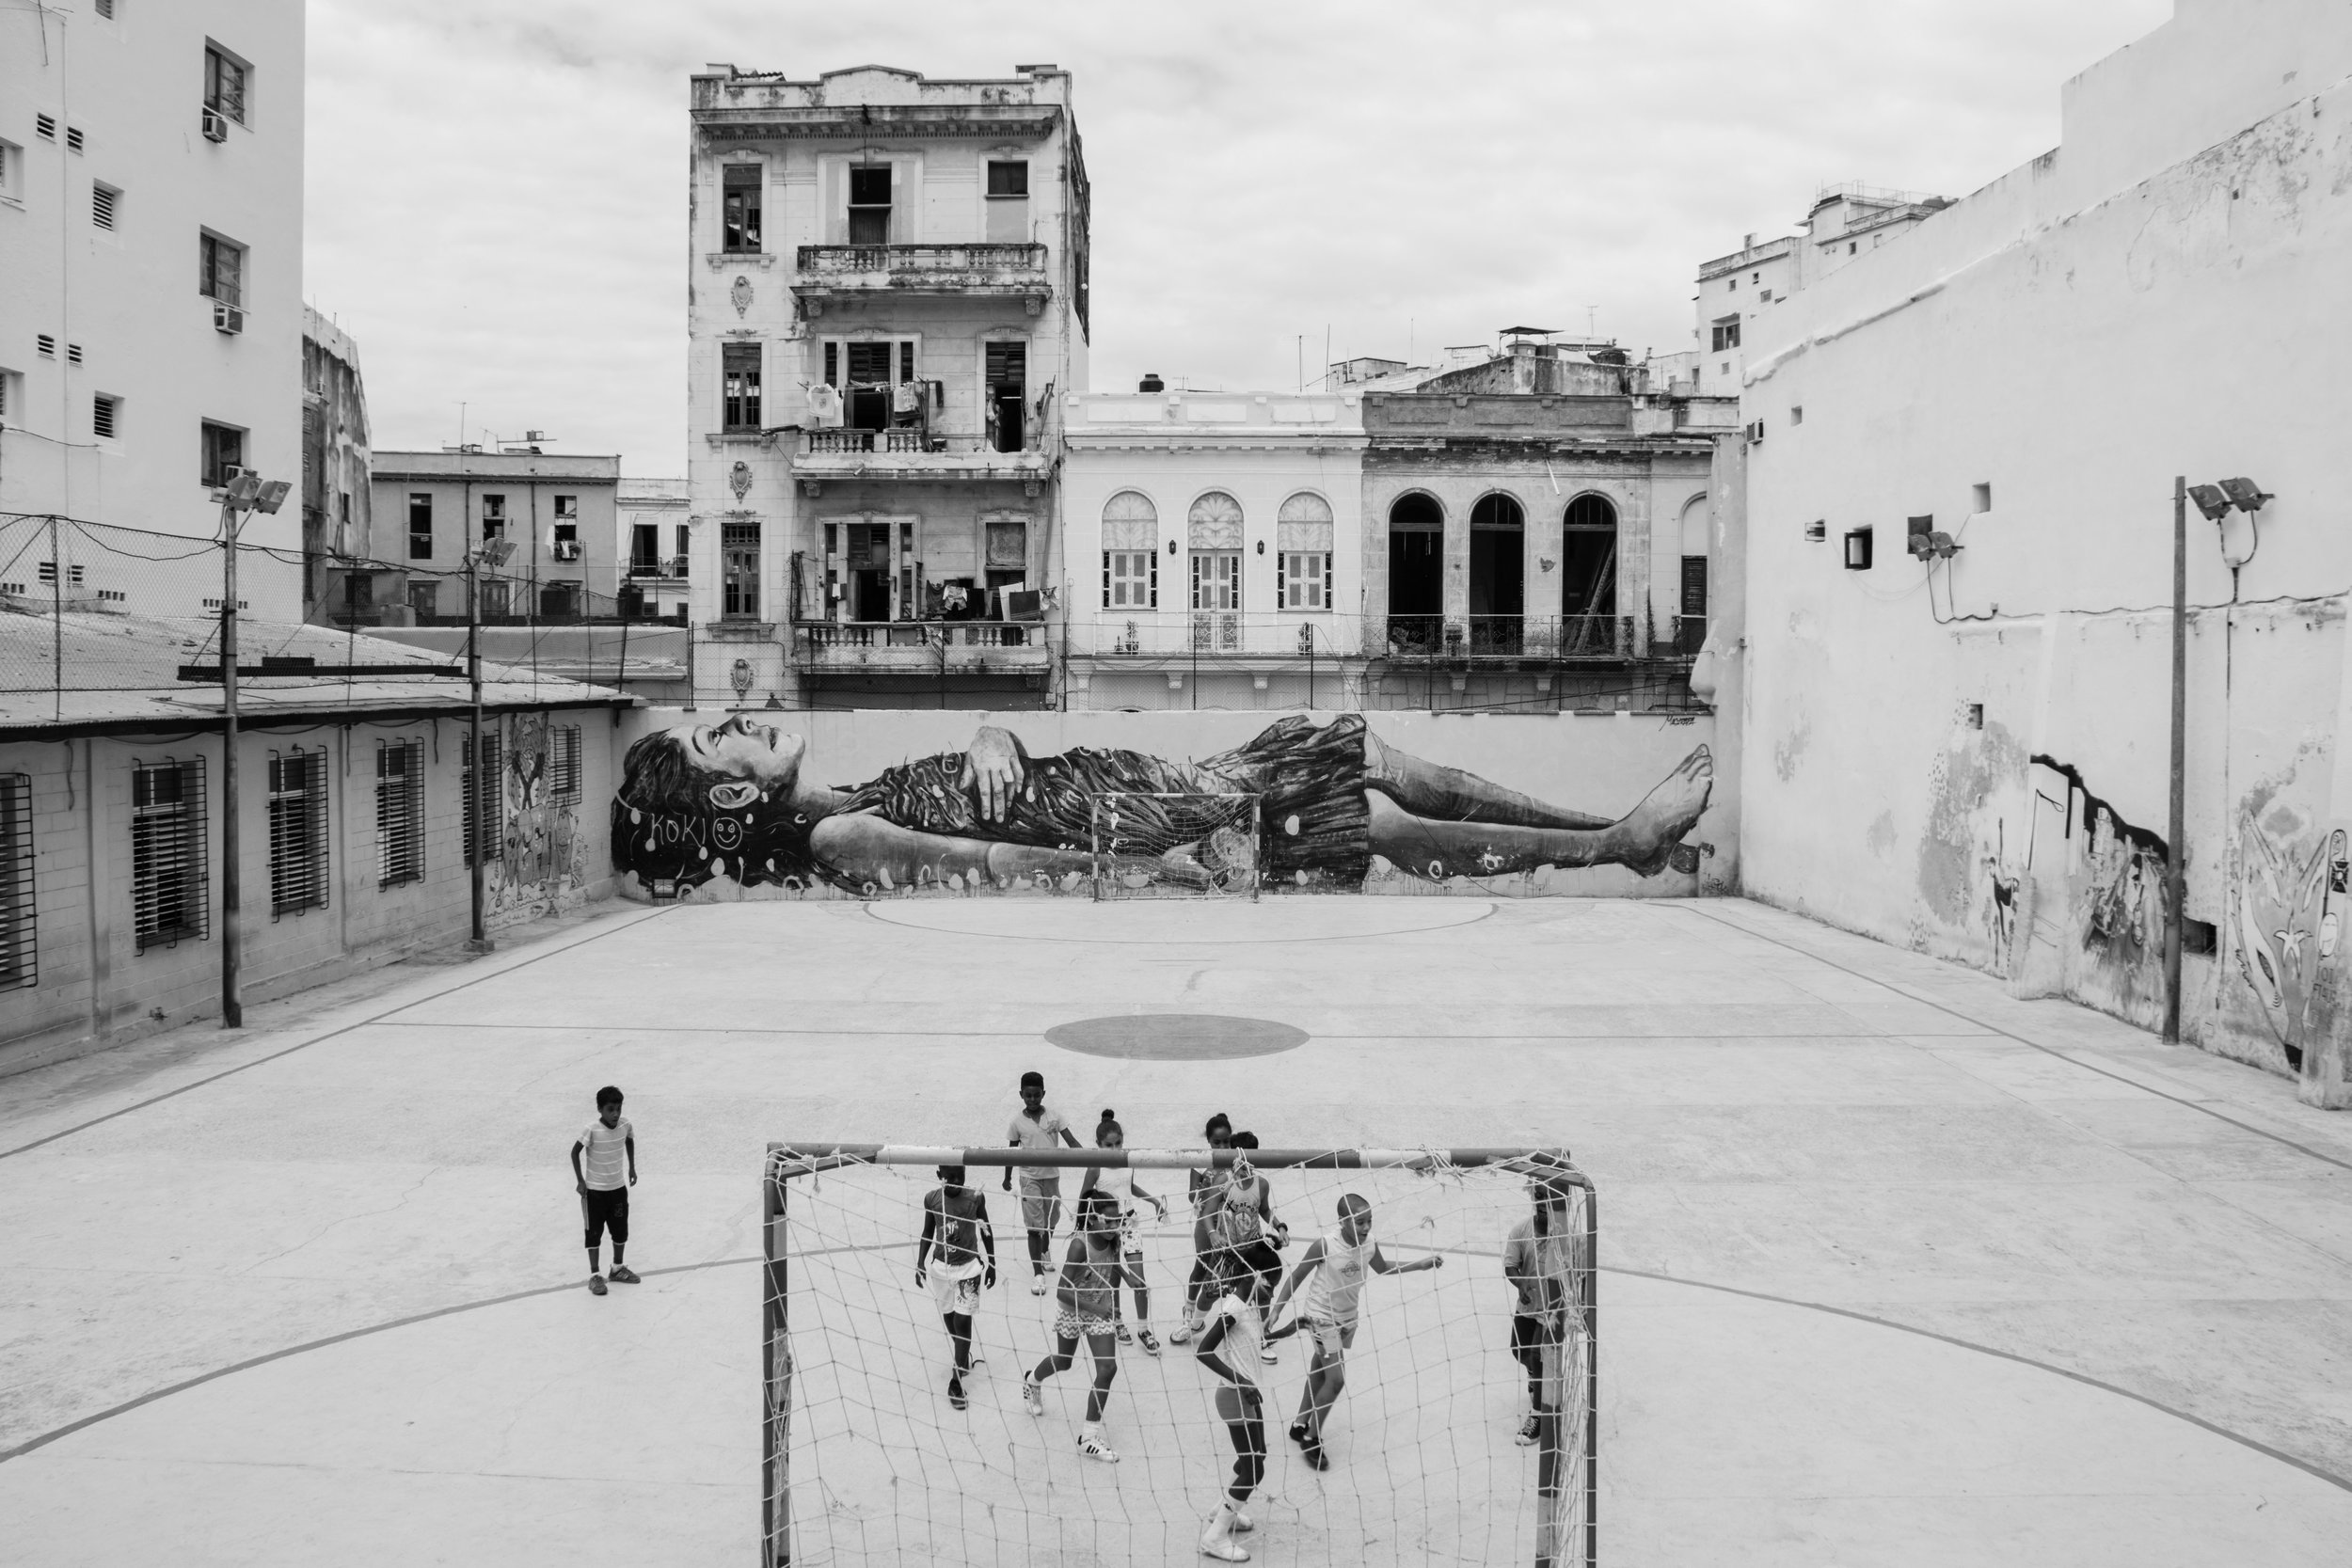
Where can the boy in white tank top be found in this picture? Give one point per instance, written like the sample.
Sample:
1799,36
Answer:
1333,1272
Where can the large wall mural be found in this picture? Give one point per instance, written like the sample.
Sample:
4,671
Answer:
731,808
538,867
2287,891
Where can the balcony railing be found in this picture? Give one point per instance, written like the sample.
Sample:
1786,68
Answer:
818,441
657,567
916,267
921,647
1540,637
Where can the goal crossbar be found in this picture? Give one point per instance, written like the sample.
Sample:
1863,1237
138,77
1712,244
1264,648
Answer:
797,1158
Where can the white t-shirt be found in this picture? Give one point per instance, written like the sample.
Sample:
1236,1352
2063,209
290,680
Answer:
1243,1339
1044,1133
1120,1182
1335,1290
1546,1258
604,1155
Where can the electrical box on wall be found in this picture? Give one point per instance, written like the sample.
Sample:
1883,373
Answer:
1818,530
1857,549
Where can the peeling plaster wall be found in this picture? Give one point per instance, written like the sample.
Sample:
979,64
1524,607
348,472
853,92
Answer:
1971,758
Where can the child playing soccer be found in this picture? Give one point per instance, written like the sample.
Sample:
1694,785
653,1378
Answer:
1535,1264
1120,1185
1035,1127
1206,1188
957,1256
1333,1270
611,1147
1242,1223
1234,1339
1086,1294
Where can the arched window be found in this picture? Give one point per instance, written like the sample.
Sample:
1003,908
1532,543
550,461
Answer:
1588,548
1498,573
1302,533
1497,511
1214,533
1416,571
1131,552
1691,610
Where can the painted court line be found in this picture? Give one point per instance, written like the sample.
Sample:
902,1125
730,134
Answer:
331,1034
2340,1482
874,910
2280,1138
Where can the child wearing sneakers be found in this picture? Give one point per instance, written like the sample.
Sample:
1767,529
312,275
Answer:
1119,1183
609,1146
1090,1286
1035,1127
957,1259
1233,1342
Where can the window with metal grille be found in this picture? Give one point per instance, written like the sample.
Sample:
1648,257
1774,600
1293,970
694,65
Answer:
170,898
563,764
101,415
102,205
486,814
225,83
297,833
106,10
220,269
19,950
399,811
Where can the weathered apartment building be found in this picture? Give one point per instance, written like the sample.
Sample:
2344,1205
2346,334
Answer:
151,289
434,508
1528,530
889,292
338,578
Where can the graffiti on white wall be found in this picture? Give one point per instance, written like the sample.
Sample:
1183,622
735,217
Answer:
537,869
735,806
2286,918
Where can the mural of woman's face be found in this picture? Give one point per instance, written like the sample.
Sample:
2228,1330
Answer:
739,749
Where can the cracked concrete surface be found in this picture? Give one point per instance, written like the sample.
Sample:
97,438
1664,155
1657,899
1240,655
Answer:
1768,1106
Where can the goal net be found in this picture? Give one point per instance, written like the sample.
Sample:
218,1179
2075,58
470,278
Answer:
1464,1431
1174,846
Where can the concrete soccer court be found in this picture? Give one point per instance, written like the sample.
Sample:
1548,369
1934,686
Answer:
1897,1268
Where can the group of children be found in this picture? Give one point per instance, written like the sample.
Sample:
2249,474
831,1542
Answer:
1236,1290
1234,1299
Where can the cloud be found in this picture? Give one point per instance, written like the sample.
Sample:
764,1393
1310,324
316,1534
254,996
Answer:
496,196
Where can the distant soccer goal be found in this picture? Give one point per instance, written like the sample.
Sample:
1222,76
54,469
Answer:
1173,845
1464,1432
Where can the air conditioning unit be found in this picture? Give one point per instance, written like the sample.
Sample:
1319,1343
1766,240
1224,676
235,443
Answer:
216,125
228,318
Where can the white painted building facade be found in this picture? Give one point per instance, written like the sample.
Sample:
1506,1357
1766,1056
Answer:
1965,750
150,286
1214,552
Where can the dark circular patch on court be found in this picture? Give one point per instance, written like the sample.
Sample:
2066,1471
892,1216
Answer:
1176,1037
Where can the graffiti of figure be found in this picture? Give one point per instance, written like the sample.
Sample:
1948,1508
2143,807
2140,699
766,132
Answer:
2285,924
698,803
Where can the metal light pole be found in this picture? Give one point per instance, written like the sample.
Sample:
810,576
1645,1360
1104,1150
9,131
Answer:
491,553
2175,875
245,493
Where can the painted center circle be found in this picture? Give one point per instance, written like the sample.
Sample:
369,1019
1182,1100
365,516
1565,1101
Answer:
1176,1037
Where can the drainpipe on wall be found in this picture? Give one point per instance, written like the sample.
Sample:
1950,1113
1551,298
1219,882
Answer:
2175,871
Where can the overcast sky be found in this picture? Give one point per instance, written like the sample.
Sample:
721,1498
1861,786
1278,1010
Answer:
497,191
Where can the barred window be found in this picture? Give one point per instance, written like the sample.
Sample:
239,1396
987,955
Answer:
563,764
19,950
170,899
487,800
399,812
297,833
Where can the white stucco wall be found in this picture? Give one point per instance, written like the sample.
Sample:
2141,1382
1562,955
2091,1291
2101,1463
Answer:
2119,311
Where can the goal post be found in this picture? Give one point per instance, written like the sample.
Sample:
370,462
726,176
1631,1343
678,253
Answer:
864,1461
1168,845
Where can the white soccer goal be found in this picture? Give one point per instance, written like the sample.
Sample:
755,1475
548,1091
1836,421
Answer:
1175,845
868,1461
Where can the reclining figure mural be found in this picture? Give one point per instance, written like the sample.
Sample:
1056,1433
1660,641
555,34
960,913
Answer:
728,803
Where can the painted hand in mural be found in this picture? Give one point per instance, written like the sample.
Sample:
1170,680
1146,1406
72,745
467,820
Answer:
993,768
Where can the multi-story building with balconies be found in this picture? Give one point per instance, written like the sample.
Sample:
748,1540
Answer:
889,293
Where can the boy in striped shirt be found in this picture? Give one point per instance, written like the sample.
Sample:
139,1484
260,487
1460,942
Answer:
609,1146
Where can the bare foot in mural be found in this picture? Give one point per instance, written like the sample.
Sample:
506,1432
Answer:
1646,836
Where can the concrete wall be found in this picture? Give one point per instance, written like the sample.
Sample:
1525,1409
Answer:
94,983
133,87
1970,757
715,816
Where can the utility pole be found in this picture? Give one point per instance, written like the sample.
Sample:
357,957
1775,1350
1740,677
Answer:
493,553
243,494
2176,825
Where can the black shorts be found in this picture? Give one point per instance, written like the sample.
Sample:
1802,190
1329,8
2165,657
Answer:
601,1209
1528,1338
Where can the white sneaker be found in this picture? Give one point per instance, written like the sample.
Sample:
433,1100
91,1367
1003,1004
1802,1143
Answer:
1091,1445
1037,1286
1031,1398
1217,1540
1181,1333
1242,1522
1269,1354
